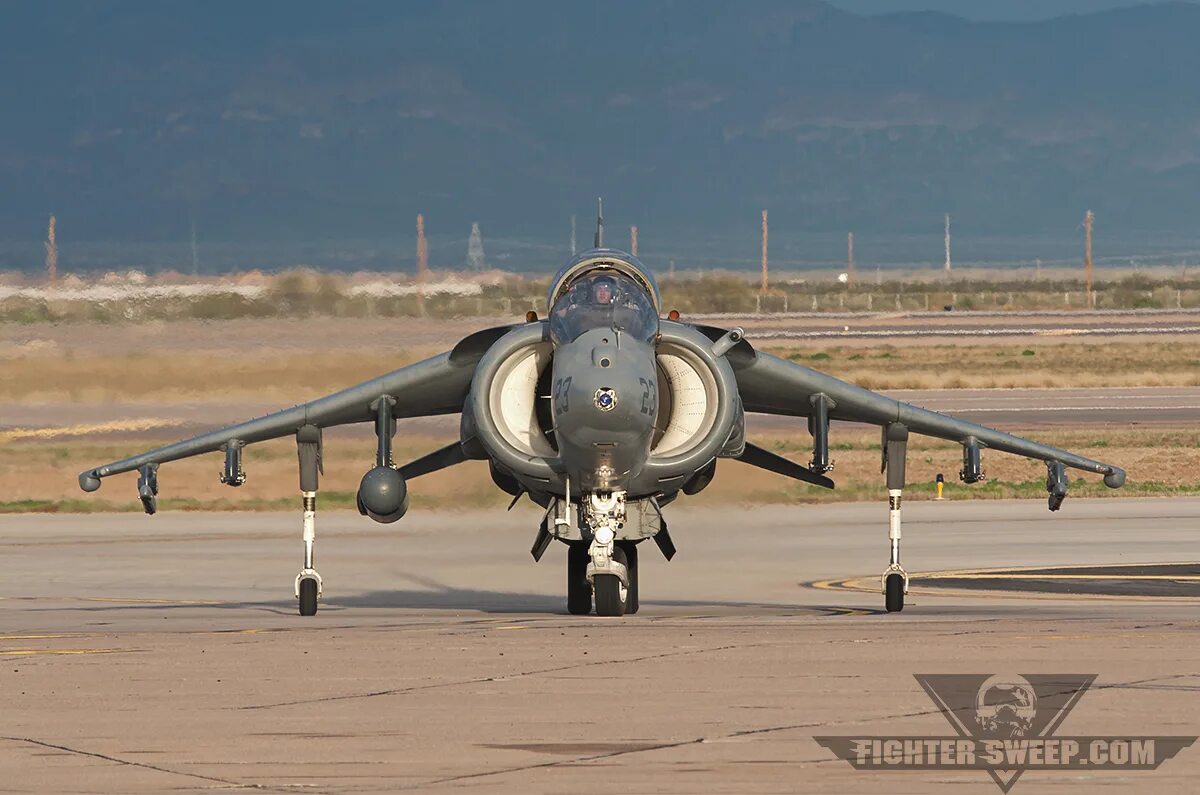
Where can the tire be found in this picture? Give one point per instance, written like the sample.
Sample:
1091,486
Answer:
631,563
894,593
611,596
308,597
579,590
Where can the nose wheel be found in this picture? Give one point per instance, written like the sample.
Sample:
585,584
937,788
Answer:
612,595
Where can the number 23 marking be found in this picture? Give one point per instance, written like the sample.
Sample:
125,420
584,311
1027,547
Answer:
562,388
649,396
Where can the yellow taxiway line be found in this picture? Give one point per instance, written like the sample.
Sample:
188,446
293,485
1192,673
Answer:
38,652
1031,573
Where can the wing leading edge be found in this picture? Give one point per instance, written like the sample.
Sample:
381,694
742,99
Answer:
771,385
438,385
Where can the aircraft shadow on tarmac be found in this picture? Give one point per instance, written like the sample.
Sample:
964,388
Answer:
447,598
451,598
435,595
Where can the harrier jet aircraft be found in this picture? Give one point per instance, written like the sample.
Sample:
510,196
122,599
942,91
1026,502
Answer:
602,414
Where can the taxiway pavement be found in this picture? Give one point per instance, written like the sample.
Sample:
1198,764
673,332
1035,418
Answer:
147,654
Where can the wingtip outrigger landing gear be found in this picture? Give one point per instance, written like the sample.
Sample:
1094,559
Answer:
894,581
309,587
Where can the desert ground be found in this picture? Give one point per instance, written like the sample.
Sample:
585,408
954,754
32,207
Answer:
74,395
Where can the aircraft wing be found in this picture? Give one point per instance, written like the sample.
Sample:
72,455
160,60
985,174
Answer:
438,385
771,385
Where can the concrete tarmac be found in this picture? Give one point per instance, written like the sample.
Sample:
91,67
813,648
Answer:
150,654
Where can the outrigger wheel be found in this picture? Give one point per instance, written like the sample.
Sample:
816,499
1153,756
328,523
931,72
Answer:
893,592
308,596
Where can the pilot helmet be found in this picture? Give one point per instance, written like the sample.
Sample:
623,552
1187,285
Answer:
604,290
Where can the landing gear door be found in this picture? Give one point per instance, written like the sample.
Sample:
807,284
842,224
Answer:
642,520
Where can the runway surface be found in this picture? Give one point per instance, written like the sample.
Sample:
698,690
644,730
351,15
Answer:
146,654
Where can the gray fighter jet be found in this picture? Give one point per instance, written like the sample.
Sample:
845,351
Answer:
601,414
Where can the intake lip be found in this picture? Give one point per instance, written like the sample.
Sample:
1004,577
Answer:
543,465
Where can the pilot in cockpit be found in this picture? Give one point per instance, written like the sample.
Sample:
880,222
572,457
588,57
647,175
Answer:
603,300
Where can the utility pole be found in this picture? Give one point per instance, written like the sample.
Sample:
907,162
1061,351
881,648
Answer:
947,242
633,240
195,251
422,263
764,252
51,254
572,235
849,259
1087,256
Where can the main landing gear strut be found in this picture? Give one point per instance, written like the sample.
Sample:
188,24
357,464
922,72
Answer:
895,578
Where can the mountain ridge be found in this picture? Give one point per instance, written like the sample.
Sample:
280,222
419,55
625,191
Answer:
294,126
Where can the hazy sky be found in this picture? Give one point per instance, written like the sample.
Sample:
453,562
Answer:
986,9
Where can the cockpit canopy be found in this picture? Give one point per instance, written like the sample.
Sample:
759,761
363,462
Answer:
603,299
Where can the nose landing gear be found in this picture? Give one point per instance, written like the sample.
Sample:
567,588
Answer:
602,570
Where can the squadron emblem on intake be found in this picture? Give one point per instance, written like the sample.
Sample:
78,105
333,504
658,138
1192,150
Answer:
606,398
